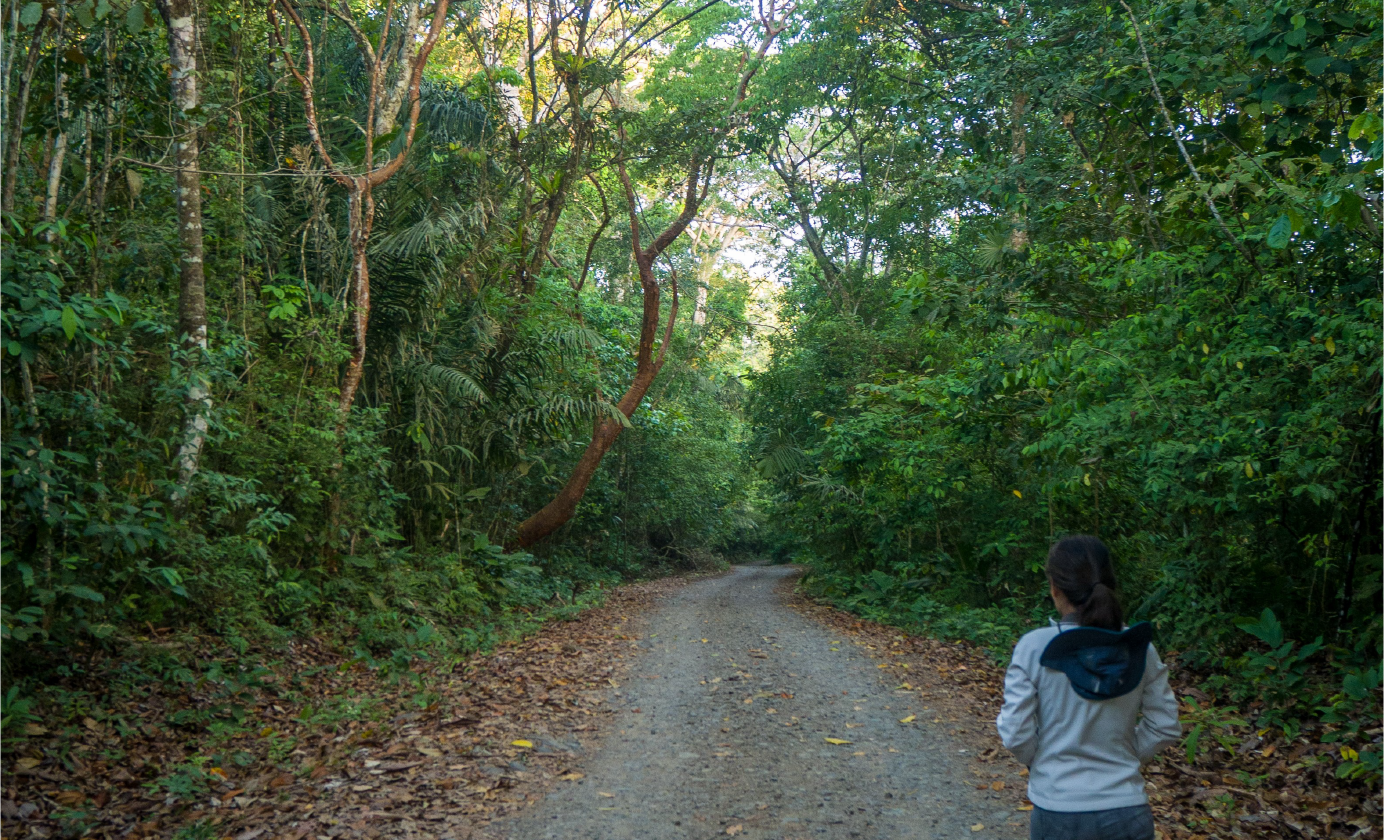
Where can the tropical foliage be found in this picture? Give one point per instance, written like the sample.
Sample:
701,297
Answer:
1088,268
241,483
407,322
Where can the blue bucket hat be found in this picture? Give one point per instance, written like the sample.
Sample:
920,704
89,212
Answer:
1100,664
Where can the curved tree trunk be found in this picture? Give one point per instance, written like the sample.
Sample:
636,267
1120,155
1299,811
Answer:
405,55
557,512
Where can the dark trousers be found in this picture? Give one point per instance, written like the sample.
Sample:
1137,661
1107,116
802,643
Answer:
1133,823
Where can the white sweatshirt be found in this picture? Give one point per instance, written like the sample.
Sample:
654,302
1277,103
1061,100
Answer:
1083,755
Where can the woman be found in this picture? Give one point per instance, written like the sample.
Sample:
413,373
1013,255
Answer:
1086,702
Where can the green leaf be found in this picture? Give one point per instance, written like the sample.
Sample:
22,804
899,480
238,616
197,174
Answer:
31,14
70,323
1317,66
1281,233
134,19
1346,208
1367,124
87,593
1267,629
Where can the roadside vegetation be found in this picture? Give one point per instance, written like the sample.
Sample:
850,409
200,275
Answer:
1102,269
399,328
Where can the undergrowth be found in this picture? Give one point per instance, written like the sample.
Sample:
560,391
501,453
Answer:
1267,684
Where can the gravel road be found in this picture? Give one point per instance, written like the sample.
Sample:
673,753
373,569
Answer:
722,732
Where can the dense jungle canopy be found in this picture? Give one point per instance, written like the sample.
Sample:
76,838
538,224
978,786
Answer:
397,321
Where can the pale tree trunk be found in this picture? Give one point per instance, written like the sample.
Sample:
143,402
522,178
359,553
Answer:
1018,152
58,156
179,15
392,96
699,311
55,161
15,130
490,19
711,242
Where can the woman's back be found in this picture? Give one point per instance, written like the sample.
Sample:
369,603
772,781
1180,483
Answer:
1083,755
1086,702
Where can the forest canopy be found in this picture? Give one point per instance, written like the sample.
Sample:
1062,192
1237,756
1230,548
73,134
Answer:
404,320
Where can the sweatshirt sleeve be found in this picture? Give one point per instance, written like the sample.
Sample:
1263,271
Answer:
1018,721
1159,727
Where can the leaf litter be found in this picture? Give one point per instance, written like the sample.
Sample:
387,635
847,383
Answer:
1268,787
444,753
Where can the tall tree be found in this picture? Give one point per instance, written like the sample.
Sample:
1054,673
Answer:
17,106
394,71
701,165
179,16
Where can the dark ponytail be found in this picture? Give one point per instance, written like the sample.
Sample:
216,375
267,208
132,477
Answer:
1080,568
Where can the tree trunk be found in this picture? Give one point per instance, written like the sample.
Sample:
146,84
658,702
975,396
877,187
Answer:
392,95
560,510
59,150
361,214
359,187
108,132
699,311
1018,153
718,242
179,15
55,161
557,512
15,139
831,273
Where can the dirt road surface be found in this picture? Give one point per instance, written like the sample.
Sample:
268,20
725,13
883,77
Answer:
723,730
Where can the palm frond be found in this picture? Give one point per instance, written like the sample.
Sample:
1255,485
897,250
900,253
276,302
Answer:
450,115
828,489
562,411
781,456
433,234
455,383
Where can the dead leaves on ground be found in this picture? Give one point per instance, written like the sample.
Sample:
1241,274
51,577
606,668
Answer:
1267,789
494,730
